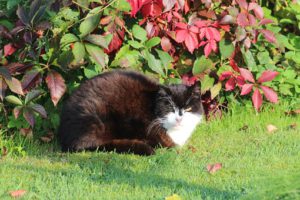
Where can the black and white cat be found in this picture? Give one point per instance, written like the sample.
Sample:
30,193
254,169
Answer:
127,112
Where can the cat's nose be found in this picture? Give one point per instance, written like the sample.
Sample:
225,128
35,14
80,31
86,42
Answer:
178,119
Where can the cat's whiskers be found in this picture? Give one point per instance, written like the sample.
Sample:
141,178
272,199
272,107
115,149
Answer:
154,126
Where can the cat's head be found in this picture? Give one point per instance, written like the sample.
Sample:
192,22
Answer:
177,105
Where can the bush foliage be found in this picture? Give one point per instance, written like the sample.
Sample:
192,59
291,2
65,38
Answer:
238,50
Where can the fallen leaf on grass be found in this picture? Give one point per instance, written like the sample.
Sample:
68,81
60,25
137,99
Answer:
271,128
212,168
47,138
4,151
293,112
292,126
245,127
26,132
173,197
192,148
17,193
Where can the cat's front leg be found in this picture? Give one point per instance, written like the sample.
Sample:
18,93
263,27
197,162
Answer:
161,138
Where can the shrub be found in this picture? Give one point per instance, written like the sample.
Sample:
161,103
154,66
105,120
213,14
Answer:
48,49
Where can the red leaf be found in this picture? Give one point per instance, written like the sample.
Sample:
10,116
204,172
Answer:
29,116
48,137
116,42
212,34
106,20
258,11
186,7
181,25
269,94
56,85
191,42
212,168
9,49
269,35
30,80
152,29
17,193
181,35
267,76
246,89
165,44
186,80
213,45
230,84
265,21
257,99
40,110
168,4
135,6
17,111
247,75
152,9
243,4
233,64
207,50
225,75
26,132
240,81
252,20
242,20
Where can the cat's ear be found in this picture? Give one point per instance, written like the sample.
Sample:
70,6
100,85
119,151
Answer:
195,88
164,90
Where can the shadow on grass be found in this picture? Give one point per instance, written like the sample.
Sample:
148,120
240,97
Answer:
116,169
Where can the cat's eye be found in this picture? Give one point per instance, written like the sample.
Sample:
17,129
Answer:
188,109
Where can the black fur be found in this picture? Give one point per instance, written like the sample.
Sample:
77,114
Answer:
114,110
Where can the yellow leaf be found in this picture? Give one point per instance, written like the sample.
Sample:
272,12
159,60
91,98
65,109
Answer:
173,197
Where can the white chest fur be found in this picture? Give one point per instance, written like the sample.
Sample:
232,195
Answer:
182,132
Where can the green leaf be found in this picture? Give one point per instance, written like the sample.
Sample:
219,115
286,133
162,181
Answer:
32,95
91,71
201,64
100,40
135,44
14,100
284,42
249,59
226,48
65,59
90,22
12,3
127,58
264,58
78,51
215,90
206,83
154,63
152,42
286,21
165,59
68,38
97,54
122,5
139,33
285,89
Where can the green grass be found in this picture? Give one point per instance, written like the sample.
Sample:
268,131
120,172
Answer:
256,165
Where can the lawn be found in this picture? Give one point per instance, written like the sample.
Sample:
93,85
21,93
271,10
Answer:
256,164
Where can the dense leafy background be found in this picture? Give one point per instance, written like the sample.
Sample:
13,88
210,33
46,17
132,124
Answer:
241,52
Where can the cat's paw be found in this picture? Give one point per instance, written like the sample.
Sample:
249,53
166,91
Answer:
144,149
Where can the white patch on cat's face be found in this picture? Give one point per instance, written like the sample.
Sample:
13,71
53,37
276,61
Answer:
180,128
